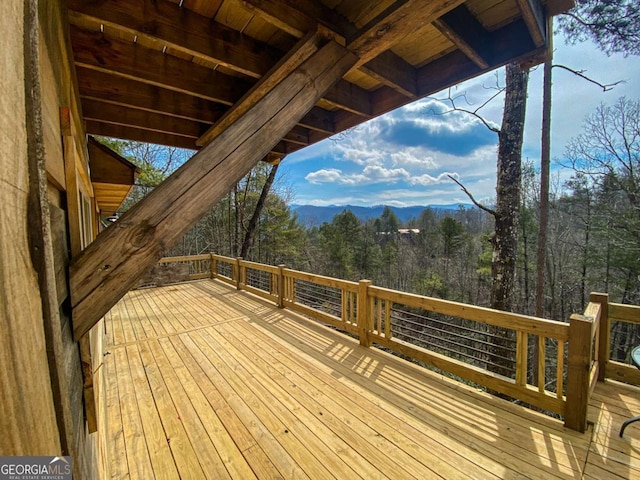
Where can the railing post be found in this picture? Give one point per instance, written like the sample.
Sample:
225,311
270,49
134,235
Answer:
363,314
604,340
578,366
281,285
238,273
214,266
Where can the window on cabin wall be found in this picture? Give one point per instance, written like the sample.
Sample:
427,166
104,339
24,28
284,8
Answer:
86,227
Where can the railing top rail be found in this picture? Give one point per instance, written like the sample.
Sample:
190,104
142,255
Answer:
223,258
514,321
259,266
624,313
186,258
322,280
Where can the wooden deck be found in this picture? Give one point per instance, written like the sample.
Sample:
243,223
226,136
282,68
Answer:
208,382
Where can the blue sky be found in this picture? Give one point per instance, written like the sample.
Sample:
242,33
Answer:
405,157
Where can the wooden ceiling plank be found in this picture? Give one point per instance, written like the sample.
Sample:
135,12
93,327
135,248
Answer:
183,29
111,265
465,32
300,16
395,23
535,19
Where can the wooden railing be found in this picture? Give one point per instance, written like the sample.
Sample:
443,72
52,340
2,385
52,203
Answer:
568,355
199,265
622,372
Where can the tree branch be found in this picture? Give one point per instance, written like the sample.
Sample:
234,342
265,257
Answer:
472,198
454,108
580,73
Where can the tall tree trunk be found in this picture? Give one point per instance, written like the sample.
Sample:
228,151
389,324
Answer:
545,161
505,240
253,223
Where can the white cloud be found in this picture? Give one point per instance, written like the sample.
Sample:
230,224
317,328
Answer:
326,175
427,179
370,174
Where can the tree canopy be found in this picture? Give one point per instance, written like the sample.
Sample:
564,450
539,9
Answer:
613,25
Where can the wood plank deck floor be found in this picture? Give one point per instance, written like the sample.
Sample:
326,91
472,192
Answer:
204,381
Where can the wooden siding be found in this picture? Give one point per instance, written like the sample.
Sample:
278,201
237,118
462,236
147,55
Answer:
205,381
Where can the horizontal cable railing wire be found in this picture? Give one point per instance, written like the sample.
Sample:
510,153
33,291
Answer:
440,333
259,279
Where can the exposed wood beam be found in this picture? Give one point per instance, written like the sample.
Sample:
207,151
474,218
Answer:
119,115
535,19
121,91
123,117
392,71
94,51
510,43
125,92
393,24
111,265
297,17
165,23
465,32
138,135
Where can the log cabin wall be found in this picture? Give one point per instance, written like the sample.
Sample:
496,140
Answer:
28,420
47,387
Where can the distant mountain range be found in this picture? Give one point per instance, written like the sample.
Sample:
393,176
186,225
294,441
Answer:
311,215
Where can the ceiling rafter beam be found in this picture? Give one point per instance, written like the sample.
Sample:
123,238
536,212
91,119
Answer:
166,23
95,51
124,116
510,43
117,90
534,17
301,16
467,33
126,59
125,92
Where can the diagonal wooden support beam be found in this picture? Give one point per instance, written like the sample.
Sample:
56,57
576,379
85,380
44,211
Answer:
110,266
393,24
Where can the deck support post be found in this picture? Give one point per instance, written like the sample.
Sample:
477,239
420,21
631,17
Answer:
604,339
281,285
214,266
363,314
578,367
237,275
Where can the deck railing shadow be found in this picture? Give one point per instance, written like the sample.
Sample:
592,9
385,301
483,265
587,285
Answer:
489,348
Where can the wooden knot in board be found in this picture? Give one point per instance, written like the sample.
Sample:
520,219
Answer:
142,235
